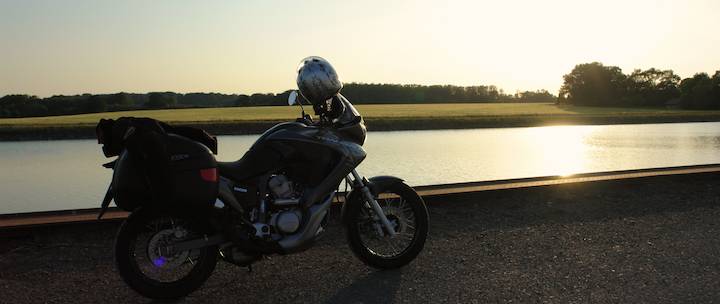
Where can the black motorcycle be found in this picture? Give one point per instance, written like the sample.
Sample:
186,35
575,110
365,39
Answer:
275,200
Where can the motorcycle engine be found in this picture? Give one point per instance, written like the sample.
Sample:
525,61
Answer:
286,222
281,187
286,215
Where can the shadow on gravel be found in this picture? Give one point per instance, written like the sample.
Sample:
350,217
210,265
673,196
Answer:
375,287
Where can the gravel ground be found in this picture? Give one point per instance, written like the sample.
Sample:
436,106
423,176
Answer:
644,240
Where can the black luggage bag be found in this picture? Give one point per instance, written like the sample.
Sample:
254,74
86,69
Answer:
189,183
159,169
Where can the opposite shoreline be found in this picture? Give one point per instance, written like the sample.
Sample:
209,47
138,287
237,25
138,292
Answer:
87,131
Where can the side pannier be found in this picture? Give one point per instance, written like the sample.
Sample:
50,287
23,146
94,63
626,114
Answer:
159,169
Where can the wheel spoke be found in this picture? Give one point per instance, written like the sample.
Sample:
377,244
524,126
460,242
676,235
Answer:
399,212
407,236
392,245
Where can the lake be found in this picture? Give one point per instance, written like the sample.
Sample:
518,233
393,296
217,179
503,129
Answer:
66,174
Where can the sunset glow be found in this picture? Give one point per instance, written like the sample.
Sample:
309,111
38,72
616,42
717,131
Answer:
71,47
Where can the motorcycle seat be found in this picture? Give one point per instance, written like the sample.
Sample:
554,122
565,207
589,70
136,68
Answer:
237,170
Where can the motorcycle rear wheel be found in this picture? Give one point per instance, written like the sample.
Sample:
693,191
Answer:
146,270
406,211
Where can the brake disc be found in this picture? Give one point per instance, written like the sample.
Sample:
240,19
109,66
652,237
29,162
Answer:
161,240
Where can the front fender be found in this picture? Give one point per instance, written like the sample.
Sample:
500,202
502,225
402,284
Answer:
377,184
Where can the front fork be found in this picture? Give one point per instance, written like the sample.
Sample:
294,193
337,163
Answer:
359,182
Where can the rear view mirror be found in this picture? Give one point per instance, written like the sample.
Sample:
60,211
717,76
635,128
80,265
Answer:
292,99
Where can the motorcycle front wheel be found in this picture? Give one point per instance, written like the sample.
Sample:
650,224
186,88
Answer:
370,241
146,269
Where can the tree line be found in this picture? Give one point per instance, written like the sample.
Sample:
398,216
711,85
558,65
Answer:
588,84
594,84
359,93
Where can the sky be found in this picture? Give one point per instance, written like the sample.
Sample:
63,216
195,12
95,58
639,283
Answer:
72,47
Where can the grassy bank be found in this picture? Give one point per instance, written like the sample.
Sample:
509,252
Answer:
250,120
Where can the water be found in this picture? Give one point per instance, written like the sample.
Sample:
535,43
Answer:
66,174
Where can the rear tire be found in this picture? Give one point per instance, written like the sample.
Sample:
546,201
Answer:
406,213
132,261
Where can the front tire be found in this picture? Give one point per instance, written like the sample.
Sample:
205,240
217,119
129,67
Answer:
150,273
406,210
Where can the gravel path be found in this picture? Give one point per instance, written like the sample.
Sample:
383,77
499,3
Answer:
643,240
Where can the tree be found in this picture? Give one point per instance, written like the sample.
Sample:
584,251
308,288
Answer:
22,106
94,104
700,92
157,100
535,96
715,92
651,87
259,99
593,84
120,100
242,101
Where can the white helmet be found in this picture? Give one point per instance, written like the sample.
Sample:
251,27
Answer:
317,81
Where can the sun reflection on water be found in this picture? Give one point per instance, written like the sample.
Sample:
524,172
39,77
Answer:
562,149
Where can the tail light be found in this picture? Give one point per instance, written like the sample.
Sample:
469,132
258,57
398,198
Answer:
209,175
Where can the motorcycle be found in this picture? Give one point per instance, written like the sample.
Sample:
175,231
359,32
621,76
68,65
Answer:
275,200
